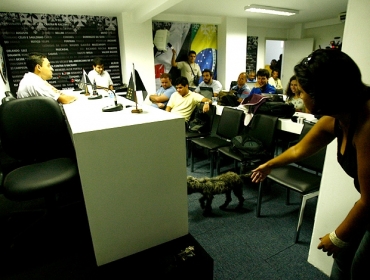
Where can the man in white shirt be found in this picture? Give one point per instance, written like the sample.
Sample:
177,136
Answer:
34,83
274,79
209,82
99,76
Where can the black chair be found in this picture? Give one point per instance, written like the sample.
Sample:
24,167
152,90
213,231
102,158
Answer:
263,128
233,83
230,124
209,117
34,132
303,177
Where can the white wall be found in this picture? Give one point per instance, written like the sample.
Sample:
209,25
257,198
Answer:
337,193
136,46
324,34
232,49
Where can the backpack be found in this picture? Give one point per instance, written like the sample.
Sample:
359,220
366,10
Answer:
277,109
248,146
201,122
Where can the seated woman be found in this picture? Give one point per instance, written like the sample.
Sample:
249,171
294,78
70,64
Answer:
293,96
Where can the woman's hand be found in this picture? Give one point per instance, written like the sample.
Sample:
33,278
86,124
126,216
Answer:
260,173
327,246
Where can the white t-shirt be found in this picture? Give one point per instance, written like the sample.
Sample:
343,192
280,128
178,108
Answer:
102,80
34,85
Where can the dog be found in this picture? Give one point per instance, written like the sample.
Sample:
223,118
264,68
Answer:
222,184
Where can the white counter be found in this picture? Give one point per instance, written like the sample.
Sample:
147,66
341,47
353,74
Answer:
133,174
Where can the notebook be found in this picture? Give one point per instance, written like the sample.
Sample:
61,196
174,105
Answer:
206,92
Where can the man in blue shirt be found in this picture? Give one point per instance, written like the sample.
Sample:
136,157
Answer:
241,89
262,85
160,99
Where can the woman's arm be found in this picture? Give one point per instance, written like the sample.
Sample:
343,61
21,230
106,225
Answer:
320,135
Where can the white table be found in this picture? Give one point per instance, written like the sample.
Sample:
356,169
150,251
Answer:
133,175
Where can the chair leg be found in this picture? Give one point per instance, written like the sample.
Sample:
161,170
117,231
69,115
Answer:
301,212
212,162
259,200
287,199
191,157
218,168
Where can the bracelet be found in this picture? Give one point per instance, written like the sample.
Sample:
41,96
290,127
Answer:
337,241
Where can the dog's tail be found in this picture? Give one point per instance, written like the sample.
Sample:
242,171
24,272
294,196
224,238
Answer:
246,177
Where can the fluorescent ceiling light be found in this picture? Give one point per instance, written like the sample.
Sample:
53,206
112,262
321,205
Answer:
270,10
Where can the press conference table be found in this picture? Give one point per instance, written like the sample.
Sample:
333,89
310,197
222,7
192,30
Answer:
133,175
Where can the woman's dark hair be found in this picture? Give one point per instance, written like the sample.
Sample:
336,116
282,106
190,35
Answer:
289,93
317,75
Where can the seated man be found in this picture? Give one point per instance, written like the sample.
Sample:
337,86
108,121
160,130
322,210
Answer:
241,90
99,76
274,79
34,83
262,86
209,82
251,78
160,99
184,101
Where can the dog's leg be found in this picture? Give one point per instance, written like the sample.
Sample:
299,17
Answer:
202,201
208,207
227,201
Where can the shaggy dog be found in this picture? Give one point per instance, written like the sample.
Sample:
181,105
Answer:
222,184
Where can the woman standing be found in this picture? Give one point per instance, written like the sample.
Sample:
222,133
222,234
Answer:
293,95
346,117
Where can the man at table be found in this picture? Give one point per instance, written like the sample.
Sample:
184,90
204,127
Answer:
99,76
240,91
208,81
34,83
160,99
262,85
184,101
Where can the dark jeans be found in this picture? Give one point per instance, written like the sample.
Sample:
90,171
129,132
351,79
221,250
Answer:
353,261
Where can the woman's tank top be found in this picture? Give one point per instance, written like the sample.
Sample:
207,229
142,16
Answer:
348,161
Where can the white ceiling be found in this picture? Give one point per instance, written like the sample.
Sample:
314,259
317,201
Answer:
142,10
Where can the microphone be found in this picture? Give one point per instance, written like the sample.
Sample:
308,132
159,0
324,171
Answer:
115,107
95,94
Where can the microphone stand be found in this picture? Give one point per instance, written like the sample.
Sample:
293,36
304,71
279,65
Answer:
115,107
95,94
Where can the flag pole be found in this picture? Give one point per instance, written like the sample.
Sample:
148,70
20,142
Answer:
136,110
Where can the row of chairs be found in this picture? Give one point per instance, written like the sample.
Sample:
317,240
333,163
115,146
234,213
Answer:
303,177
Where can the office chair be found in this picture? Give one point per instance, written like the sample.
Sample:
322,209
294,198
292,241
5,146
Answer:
189,135
263,128
233,83
34,132
304,178
230,124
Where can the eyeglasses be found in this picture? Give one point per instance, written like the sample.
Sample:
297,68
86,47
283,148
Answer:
307,60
